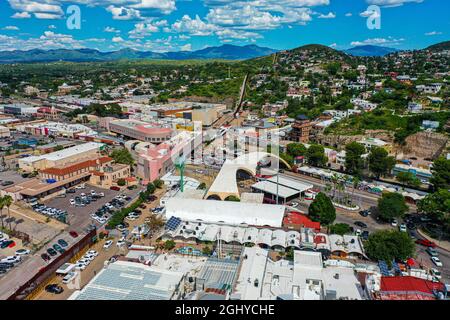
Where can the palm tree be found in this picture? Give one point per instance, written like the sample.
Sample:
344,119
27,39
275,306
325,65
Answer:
355,183
2,205
7,201
335,181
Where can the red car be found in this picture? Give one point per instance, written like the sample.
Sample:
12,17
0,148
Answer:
73,234
114,188
426,243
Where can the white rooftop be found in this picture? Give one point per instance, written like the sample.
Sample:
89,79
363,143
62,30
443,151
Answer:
226,211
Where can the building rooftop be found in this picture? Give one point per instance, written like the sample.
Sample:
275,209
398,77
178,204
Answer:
225,211
124,280
66,153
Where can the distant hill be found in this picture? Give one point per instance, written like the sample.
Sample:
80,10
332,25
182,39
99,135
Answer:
370,51
225,52
440,46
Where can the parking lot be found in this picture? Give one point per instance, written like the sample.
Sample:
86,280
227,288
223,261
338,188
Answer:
10,175
80,217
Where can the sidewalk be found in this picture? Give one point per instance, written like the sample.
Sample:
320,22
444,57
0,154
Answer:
445,245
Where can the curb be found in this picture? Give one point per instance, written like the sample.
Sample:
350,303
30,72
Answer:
421,233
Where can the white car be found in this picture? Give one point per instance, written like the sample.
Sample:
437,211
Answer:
80,267
89,257
69,277
92,253
108,244
436,273
402,227
436,261
11,259
93,193
22,252
131,218
78,187
294,204
394,223
120,243
101,194
72,202
84,261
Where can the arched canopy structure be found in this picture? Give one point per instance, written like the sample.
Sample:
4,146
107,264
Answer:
225,183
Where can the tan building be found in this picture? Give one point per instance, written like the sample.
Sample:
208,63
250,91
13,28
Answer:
66,157
4,132
110,174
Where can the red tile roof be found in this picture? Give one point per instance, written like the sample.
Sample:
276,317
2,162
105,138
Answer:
300,219
77,166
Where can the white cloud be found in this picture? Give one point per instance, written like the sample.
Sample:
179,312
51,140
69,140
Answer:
52,26
111,30
186,47
330,15
194,27
117,39
142,30
349,14
433,33
11,28
378,41
391,3
21,15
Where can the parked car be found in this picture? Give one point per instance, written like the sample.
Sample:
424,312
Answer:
52,252
58,248
63,243
364,213
6,244
394,223
45,257
54,288
11,259
436,273
402,227
432,252
436,261
73,234
22,252
426,243
360,224
108,244
114,188
69,277
365,235
120,243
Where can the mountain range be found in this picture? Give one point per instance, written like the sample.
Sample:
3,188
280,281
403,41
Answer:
370,51
224,52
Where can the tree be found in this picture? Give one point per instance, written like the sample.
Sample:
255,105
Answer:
202,186
392,205
409,179
158,183
354,163
441,174
151,188
122,156
232,198
169,245
7,202
206,251
2,205
322,209
121,182
380,163
389,245
340,228
296,149
315,156
437,207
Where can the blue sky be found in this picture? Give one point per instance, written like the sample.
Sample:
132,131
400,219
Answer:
173,25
